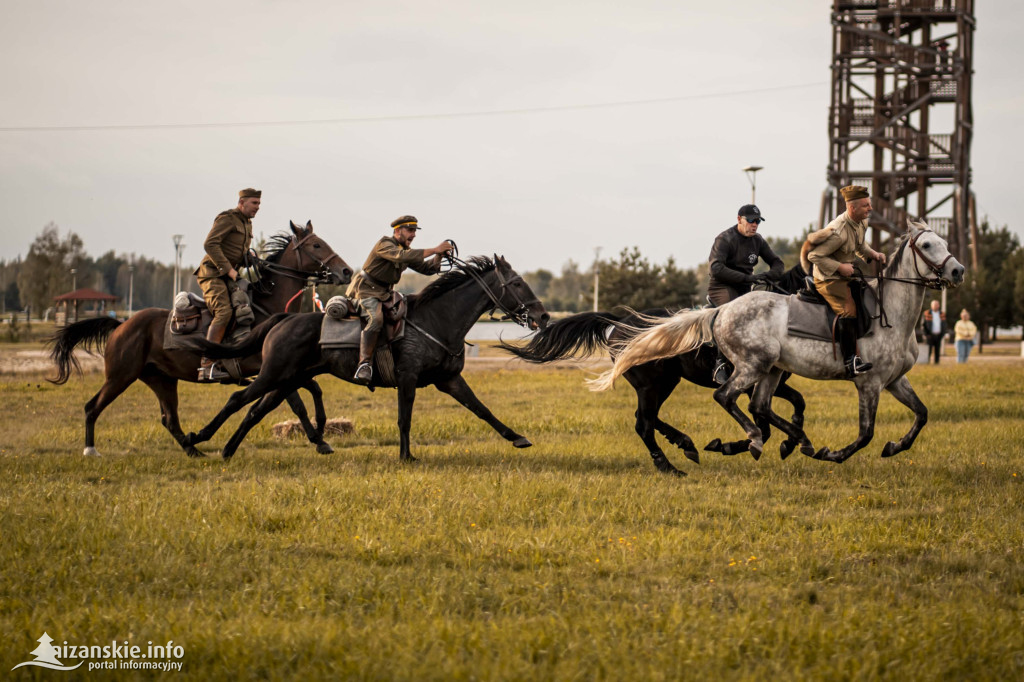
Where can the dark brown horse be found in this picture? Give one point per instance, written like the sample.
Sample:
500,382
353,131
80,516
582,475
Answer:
134,348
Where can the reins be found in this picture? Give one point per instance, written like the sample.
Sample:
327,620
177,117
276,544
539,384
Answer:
261,267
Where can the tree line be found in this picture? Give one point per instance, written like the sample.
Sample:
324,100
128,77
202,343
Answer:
993,292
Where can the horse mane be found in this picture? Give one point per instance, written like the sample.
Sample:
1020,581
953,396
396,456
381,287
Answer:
453,278
275,246
894,260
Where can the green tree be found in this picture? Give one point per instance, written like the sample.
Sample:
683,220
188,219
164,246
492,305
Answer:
46,271
633,281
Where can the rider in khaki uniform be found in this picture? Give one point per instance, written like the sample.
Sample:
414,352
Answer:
833,266
225,246
381,272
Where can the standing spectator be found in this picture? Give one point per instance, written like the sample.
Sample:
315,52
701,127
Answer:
934,328
965,331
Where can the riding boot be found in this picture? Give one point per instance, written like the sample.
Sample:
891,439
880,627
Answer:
846,331
367,344
209,370
722,370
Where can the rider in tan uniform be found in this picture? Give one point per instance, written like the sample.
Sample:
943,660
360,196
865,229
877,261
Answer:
225,246
833,266
374,283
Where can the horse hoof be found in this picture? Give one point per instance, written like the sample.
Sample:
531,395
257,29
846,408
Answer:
90,452
194,452
755,450
323,448
786,449
807,450
890,449
692,455
190,439
407,459
822,454
227,455
714,446
522,442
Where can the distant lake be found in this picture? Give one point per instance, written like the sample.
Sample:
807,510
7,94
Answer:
490,331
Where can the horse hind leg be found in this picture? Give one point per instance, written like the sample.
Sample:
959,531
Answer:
108,393
903,392
761,408
648,403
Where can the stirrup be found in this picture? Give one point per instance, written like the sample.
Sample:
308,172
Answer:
212,373
855,367
721,373
364,373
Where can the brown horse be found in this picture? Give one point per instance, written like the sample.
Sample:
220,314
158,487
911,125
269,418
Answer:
134,348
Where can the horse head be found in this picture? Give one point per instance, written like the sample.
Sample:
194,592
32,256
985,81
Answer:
516,297
930,257
309,253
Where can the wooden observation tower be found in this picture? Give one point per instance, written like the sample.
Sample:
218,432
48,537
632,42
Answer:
900,119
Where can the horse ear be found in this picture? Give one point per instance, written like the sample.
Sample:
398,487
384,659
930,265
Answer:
309,225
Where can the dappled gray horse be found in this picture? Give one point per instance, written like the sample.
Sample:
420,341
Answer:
752,332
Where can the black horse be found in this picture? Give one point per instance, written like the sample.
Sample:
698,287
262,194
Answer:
432,350
583,334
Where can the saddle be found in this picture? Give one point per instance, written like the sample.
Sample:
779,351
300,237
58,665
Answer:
342,327
190,319
811,317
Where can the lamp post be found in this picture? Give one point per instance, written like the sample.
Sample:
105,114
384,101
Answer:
131,283
179,246
597,270
751,172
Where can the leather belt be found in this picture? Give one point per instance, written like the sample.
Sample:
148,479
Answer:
374,282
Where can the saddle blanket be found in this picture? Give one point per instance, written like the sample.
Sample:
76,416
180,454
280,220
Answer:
814,320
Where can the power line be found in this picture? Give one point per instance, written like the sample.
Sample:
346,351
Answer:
408,117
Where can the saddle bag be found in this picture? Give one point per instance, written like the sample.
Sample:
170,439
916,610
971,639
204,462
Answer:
186,314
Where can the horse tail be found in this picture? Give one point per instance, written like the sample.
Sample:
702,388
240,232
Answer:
579,335
91,333
682,333
250,345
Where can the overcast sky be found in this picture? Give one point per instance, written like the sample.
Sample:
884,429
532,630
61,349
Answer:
699,90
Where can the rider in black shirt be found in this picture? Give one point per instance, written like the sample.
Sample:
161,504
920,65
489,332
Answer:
732,259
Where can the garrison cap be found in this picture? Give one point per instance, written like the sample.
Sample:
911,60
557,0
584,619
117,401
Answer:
408,221
852,192
249,193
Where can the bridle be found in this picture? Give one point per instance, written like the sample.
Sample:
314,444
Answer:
520,314
262,266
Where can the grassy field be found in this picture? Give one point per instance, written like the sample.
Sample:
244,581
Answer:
570,560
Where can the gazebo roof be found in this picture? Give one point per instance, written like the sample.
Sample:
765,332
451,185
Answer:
85,295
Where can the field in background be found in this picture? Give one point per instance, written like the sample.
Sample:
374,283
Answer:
570,560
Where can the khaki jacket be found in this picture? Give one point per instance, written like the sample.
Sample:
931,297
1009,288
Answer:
845,241
226,244
384,267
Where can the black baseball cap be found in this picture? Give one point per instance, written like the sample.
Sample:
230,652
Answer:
750,212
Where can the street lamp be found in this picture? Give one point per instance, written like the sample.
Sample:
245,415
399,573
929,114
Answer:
131,282
597,269
751,172
74,279
178,248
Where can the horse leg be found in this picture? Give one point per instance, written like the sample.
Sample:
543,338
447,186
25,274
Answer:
902,391
318,404
794,397
166,390
726,395
108,393
406,398
457,388
239,399
650,396
314,434
761,408
868,401
255,415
